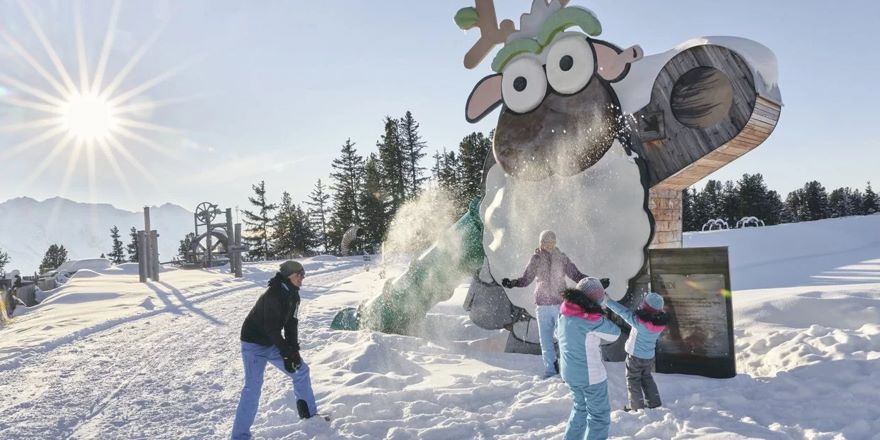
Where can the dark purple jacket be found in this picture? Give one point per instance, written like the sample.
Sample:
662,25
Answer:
550,270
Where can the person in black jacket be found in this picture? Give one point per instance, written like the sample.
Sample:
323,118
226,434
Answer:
262,342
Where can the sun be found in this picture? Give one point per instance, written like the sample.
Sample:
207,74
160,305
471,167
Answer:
82,115
89,117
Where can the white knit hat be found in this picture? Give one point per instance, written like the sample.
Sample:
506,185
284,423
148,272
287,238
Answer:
592,288
546,236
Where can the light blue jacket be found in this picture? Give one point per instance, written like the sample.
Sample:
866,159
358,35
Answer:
642,342
579,353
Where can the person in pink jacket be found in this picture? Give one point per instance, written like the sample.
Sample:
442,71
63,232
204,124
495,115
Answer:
548,267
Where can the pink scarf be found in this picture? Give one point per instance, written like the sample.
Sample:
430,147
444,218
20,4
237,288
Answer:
569,309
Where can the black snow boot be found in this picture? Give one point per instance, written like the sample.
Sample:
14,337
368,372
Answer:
303,409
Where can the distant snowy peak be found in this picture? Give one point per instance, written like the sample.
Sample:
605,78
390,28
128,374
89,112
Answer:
29,226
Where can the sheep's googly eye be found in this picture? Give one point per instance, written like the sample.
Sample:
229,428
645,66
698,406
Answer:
523,84
570,64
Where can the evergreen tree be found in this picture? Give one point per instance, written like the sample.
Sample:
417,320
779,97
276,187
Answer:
688,220
752,192
412,146
730,204
185,247
304,237
774,209
445,171
55,256
472,153
393,165
132,247
4,259
347,178
117,253
373,202
839,203
700,209
815,201
319,203
103,256
870,203
713,194
856,199
282,227
259,222
794,211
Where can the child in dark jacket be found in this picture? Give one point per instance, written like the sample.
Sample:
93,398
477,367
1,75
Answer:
647,322
581,330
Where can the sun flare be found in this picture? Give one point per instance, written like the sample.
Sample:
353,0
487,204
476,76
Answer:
92,112
89,117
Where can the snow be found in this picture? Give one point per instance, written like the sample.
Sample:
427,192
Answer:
107,357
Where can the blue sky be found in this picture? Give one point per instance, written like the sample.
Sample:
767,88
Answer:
270,90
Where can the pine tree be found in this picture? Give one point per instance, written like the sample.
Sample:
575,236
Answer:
319,203
394,164
373,202
472,153
185,247
730,204
774,209
714,199
4,259
839,203
132,247
259,222
117,253
815,201
55,256
870,202
412,146
688,222
752,194
347,178
293,235
794,211
304,237
700,210
856,199
445,171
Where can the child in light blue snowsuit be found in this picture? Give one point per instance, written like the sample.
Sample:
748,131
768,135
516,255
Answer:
582,328
647,322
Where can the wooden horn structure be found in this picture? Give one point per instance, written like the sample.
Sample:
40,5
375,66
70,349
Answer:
705,112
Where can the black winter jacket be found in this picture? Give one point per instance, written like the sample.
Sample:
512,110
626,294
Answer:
275,310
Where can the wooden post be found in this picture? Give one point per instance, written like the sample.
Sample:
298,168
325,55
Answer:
154,258
237,254
142,256
209,257
148,251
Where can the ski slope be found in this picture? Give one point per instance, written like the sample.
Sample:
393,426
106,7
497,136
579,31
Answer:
107,357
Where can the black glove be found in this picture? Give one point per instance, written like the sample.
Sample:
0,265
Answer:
506,282
292,362
605,282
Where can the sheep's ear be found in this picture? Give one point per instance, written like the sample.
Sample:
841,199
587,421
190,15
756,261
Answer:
484,98
614,62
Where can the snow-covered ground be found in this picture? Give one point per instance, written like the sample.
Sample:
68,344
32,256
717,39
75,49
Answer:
107,357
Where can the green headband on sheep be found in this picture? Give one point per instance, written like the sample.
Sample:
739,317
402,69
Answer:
559,21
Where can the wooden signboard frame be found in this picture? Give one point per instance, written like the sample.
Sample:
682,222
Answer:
695,283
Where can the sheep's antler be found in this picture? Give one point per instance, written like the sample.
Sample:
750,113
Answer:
491,33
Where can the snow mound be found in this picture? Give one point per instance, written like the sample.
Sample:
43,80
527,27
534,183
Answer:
818,253
84,273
